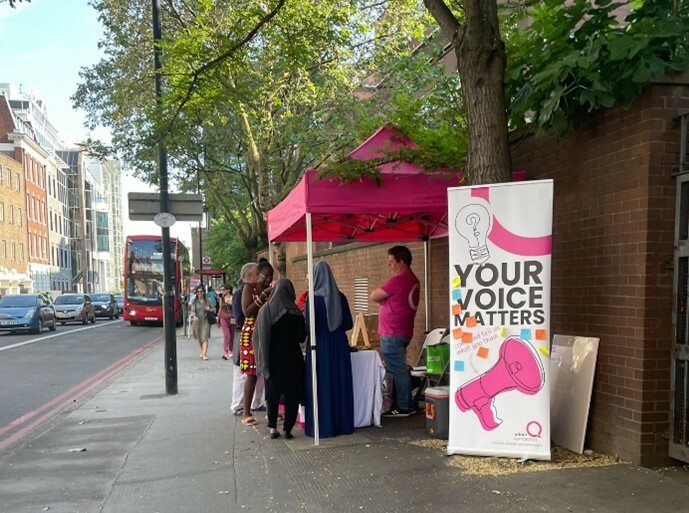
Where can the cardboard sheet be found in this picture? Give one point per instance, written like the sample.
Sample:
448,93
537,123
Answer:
572,367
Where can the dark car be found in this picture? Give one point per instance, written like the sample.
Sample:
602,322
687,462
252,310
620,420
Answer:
119,299
26,312
105,305
74,308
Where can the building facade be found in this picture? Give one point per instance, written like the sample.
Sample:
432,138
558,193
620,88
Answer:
112,184
14,276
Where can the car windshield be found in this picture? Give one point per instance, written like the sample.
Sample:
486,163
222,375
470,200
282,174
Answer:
119,299
17,301
100,297
69,300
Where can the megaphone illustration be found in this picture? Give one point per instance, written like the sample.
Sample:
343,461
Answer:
519,367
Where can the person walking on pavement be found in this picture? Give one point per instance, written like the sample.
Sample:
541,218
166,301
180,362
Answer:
279,332
254,297
248,274
333,360
212,298
398,298
226,321
199,317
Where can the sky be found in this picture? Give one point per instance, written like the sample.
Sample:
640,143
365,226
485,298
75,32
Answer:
44,44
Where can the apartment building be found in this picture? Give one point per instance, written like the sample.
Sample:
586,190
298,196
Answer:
17,139
58,227
112,184
14,276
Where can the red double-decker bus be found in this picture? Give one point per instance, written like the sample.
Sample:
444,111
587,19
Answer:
143,278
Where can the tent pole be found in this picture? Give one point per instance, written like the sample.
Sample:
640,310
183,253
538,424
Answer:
426,250
270,254
312,327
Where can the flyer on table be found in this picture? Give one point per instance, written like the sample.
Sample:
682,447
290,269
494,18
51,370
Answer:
500,257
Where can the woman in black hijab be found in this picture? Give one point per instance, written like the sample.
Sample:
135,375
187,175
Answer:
279,331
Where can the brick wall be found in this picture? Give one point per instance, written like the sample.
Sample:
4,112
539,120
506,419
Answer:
370,260
12,221
612,262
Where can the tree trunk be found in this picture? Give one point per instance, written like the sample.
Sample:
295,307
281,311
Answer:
481,65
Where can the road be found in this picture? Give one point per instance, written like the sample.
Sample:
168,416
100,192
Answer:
44,376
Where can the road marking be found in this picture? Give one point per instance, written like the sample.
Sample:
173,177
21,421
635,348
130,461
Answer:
68,398
41,339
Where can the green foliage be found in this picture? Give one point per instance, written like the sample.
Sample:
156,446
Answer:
226,249
577,57
421,100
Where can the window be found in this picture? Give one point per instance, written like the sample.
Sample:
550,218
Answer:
11,214
0,174
2,211
17,182
21,252
3,249
8,179
19,216
13,251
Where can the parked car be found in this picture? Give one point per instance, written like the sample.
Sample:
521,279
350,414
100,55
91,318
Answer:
74,308
105,305
26,312
119,299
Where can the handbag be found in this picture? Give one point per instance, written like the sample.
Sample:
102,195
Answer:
235,347
212,319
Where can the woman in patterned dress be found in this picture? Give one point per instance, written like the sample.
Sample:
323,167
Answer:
254,297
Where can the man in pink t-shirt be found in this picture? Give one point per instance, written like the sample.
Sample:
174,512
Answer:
398,298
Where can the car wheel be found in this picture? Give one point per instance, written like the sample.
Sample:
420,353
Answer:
63,323
135,323
39,328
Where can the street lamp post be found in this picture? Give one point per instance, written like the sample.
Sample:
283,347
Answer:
169,293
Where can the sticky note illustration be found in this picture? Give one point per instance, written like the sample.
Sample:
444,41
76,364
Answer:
525,334
503,331
467,337
457,333
459,366
456,282
541,334
456,309
482,352
456,295
471,321
544,350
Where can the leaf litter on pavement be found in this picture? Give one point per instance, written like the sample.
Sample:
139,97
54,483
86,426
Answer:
493,466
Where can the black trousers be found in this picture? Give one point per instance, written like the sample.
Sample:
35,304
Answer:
291,411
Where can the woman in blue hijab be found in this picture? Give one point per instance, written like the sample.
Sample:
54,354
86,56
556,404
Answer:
333,362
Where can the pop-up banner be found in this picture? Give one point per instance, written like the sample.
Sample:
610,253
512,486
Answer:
500,252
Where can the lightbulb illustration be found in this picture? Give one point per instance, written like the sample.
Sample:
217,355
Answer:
474,222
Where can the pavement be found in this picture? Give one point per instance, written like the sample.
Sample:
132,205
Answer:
132,448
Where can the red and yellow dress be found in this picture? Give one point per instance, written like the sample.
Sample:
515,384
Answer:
247,362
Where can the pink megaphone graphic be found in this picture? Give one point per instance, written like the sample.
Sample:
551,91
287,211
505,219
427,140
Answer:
519,367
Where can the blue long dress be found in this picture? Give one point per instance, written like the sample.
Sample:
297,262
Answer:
333,375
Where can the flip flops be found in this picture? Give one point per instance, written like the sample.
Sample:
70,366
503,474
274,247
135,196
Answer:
249,421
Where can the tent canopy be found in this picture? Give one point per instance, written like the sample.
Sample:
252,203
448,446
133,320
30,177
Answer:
408,205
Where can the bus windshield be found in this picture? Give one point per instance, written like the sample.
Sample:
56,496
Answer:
145,272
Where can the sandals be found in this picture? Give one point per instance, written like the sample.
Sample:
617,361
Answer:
249,421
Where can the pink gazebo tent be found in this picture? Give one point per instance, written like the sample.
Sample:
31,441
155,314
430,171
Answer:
408,205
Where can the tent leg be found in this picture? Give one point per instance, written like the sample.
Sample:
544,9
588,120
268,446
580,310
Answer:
270,254
312,327
426,251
